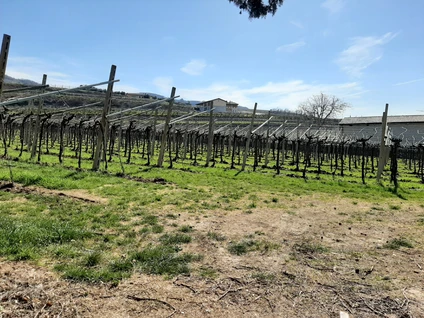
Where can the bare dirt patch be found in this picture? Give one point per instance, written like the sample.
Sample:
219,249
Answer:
331,256
82,195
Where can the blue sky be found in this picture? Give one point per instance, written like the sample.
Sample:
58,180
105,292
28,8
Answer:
366,52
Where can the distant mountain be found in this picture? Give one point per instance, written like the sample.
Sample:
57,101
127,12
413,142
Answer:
187,102
11,80
153,95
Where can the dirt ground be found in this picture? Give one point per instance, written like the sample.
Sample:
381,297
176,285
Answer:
355,273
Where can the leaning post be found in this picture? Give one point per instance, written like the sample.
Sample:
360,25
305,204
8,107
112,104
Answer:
3,59
3,62
249,135
166,129
382,160
102,133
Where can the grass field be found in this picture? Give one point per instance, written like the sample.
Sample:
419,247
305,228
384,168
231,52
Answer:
254,243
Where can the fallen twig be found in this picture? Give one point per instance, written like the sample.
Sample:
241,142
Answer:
186,286
229,291
155,300
372,309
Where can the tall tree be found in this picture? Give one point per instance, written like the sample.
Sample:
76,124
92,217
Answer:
322,107
258,8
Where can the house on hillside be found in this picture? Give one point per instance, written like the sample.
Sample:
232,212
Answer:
408,127
220,105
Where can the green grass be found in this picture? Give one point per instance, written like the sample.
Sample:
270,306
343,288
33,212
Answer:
26,238
175,239
83,239
163,260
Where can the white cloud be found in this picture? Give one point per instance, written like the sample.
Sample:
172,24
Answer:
409,82
272,94
333,6
297,24
163,84
289,48
33,68
363,52
194,67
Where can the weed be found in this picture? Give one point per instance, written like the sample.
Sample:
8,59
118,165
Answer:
150,219
394,207
186,229
309,248
397,243
157,228
208,272
92,259
163,260
125,265
275,200
216,236
130,234
249,245
253,197
252,205
264,278
175,239
145,230
241,248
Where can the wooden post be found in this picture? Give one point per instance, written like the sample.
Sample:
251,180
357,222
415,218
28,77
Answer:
153,137
210,139
3,59
3,62
267,141
249,135
37,120
102,133
383,148
166,129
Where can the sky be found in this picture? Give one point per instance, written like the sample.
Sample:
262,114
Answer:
366,52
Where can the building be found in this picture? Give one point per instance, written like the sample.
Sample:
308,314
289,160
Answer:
410,128
231,107
220,105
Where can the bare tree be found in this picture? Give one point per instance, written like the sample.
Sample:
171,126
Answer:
322,107
257,8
